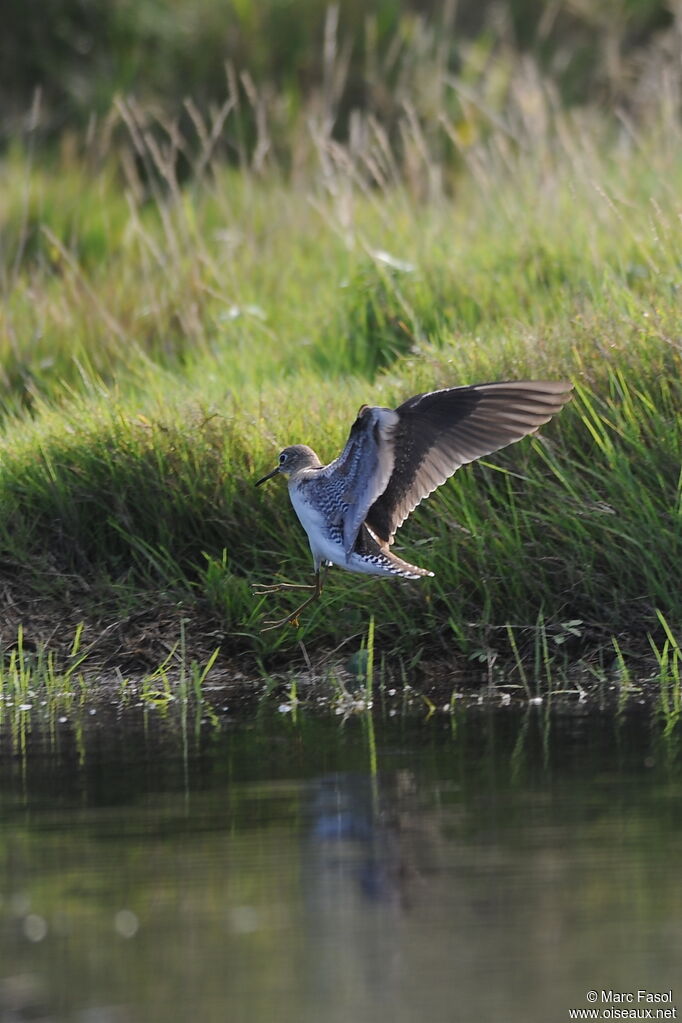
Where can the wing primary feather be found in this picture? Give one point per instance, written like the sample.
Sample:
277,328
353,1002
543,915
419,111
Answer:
439,431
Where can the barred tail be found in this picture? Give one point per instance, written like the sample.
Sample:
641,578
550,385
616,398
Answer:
402,568
368,546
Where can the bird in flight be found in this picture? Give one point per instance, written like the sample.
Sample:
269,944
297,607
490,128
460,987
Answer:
393,459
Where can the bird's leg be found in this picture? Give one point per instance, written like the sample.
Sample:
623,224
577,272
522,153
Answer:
259,589
293,617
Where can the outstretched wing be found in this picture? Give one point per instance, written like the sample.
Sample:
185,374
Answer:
347,487
438,432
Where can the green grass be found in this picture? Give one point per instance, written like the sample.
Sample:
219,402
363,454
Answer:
41,687
160,342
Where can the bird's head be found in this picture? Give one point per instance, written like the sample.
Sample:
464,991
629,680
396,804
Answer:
292,460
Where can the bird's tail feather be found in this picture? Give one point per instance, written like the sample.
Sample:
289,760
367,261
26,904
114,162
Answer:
368,545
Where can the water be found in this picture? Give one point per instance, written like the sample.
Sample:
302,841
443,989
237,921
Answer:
493,866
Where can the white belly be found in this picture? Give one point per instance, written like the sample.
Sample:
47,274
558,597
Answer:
324,547
326,542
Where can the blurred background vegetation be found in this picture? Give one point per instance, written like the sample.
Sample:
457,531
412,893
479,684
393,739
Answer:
209,208
63,62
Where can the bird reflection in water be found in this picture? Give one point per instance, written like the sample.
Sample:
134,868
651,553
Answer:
365,834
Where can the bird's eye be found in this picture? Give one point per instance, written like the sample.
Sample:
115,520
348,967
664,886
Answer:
282,458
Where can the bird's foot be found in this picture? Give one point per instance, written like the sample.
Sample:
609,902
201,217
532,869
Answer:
261,589
292,619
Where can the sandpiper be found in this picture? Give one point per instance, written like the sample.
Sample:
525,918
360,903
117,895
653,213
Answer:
393,459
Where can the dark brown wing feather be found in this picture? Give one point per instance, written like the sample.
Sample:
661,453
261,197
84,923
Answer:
440,431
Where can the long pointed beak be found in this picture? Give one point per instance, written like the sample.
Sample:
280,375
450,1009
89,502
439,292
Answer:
267,477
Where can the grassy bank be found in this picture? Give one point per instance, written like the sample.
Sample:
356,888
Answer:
161,342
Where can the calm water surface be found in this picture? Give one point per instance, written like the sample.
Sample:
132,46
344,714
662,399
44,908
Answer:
491,866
